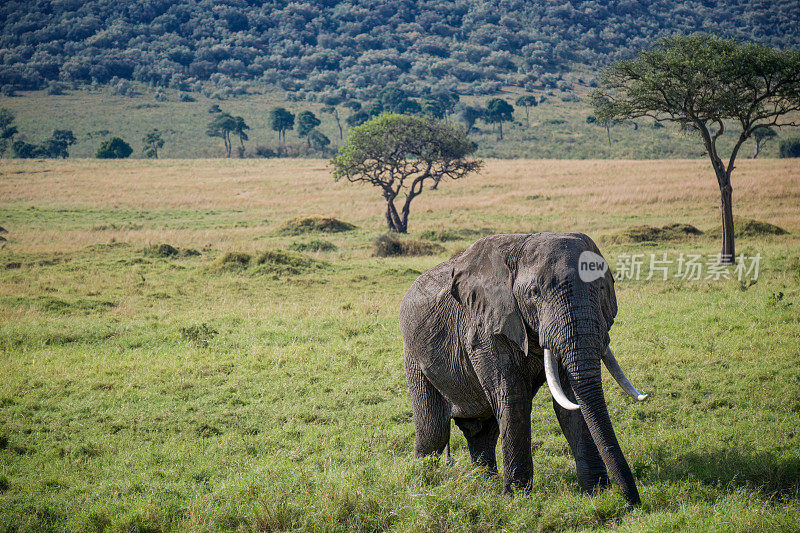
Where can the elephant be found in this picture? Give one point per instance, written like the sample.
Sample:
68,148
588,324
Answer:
484,330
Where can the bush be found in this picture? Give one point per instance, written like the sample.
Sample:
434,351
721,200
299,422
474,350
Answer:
315,223
391,245
114,148
265,151
789,147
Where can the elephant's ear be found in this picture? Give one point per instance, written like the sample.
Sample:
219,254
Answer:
608,297
482,281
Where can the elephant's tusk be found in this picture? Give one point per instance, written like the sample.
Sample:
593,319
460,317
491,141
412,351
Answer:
554,382
615,370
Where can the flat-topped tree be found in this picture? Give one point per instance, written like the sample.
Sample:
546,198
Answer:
400,154
706,84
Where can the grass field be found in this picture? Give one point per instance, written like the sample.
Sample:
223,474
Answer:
557,129
150,389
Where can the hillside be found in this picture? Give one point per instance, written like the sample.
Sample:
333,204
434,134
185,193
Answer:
319,49
557,127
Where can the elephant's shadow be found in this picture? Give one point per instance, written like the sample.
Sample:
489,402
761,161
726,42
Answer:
771,475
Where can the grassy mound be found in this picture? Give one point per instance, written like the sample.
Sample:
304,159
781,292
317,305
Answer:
747,227
315,245
645,233
269,262
231,261
391,245
283,262
167,250
314,224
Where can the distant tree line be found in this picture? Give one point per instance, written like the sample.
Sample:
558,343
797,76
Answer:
351,49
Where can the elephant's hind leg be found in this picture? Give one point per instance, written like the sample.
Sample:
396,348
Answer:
431,412
481,438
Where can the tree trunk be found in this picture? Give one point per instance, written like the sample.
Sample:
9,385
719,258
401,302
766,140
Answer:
500,130
393,221
339,125
389,221
726,207
758,148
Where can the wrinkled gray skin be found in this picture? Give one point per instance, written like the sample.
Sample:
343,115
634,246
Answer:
474,329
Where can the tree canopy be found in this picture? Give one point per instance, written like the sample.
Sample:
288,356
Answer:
280,120
497,112
114,148
152,141
709,85
400,154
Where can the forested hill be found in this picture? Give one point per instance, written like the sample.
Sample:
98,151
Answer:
354,48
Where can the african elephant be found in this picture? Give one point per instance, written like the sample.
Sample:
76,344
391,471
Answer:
484,330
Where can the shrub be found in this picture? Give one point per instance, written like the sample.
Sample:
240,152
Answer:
315,223
391,245
789,147
114,148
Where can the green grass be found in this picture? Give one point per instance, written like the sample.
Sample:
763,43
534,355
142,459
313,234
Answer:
557,128
150,392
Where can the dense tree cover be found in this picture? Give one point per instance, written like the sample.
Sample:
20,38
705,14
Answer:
352,49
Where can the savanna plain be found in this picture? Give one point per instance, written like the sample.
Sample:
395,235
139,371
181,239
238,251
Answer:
249,376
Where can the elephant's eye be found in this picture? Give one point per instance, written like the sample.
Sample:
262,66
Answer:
534,291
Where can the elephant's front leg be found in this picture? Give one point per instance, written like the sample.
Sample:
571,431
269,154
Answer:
514,417
505,385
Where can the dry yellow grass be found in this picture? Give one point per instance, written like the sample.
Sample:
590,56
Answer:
509,195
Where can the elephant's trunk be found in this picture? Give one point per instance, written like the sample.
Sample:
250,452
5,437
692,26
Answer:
579,336
584,375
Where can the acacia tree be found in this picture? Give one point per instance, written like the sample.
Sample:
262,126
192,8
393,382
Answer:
240,130
331,110
281,120
306,121
761,135
221,126
152,142
399,154
706,84
497,112
527,101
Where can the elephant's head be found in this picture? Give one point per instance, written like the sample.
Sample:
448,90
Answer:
528,289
